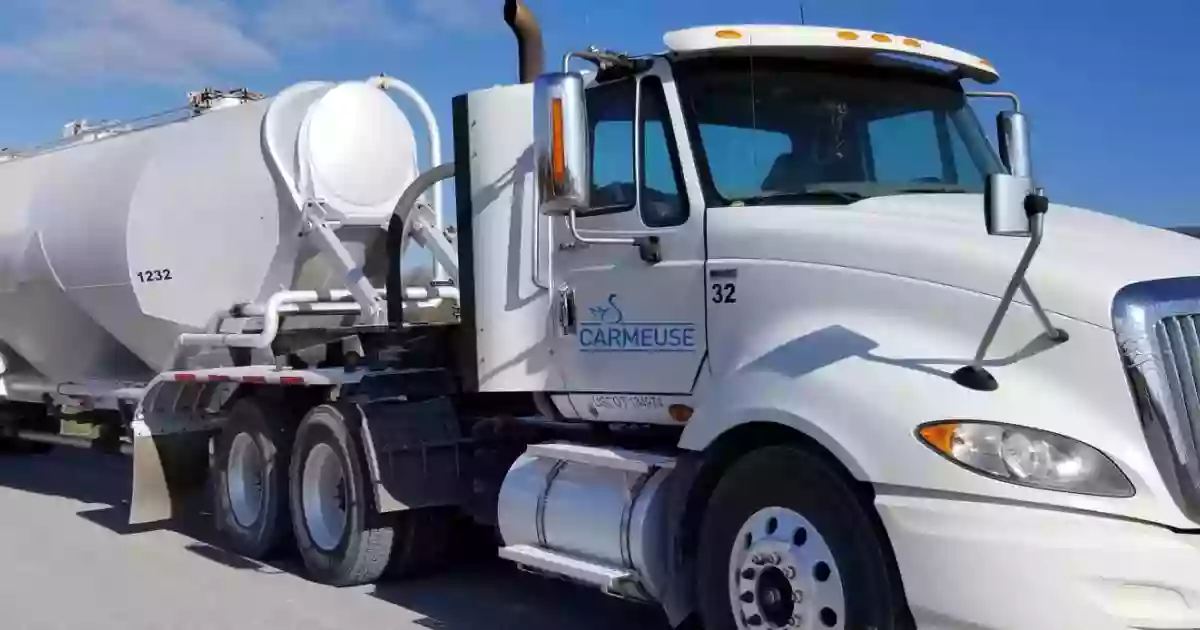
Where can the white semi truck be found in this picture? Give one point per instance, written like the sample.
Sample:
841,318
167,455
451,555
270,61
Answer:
760,329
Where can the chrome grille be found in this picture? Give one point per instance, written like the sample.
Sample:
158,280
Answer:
1180,344
1157,324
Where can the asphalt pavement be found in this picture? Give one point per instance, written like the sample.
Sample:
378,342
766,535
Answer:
69,561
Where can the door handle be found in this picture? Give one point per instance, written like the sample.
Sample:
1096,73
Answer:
567,320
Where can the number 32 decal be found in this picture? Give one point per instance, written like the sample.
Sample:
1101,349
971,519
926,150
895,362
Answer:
723,293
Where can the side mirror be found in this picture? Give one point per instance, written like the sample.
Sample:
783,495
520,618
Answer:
1006,195
561,150
1013,206
1012,130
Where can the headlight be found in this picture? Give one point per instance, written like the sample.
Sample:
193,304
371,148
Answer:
1027,457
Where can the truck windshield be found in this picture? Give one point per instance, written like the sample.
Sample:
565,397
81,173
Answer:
777,130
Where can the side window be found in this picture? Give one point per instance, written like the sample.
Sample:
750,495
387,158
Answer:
610,115
664,201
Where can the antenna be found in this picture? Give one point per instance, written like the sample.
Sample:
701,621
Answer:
802,12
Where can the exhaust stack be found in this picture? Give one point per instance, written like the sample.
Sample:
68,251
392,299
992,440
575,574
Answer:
530,49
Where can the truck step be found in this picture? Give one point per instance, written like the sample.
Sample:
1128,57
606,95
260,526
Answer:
600,457
612,580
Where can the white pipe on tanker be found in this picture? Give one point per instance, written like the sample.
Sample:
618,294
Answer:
273,151
281,302
261,339
435,148
333,306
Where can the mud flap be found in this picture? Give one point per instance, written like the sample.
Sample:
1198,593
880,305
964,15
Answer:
416,454
171,429
678,596
168,470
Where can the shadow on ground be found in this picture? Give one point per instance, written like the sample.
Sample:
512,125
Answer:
482,593
495,595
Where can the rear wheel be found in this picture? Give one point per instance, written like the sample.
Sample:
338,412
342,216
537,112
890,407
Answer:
785,543
340,535
250,479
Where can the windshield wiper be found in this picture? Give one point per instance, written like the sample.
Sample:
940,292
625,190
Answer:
933,190
813,196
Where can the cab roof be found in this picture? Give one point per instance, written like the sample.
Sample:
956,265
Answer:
824,41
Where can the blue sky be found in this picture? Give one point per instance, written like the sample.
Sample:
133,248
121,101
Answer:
1111,87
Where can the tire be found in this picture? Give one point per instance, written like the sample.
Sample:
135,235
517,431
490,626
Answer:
808,534
424,541
357,551
252,517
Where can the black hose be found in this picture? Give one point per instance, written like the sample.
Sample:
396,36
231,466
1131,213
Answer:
398,227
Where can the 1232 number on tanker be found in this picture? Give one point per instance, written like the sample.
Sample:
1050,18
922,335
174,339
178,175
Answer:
154,275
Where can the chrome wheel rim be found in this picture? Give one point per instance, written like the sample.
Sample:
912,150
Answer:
782,574
324,497
244,483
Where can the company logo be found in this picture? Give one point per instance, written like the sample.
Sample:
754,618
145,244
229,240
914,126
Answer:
609,331
609,313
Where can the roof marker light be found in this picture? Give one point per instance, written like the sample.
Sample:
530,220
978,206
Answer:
703,39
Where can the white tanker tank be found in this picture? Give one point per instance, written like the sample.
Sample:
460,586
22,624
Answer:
110,247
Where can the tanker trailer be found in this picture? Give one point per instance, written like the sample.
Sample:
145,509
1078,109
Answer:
114,242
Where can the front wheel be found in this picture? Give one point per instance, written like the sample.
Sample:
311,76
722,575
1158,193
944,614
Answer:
785,544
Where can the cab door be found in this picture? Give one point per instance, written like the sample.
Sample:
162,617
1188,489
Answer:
632,316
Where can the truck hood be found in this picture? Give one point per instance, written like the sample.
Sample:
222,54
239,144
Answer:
1085,257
